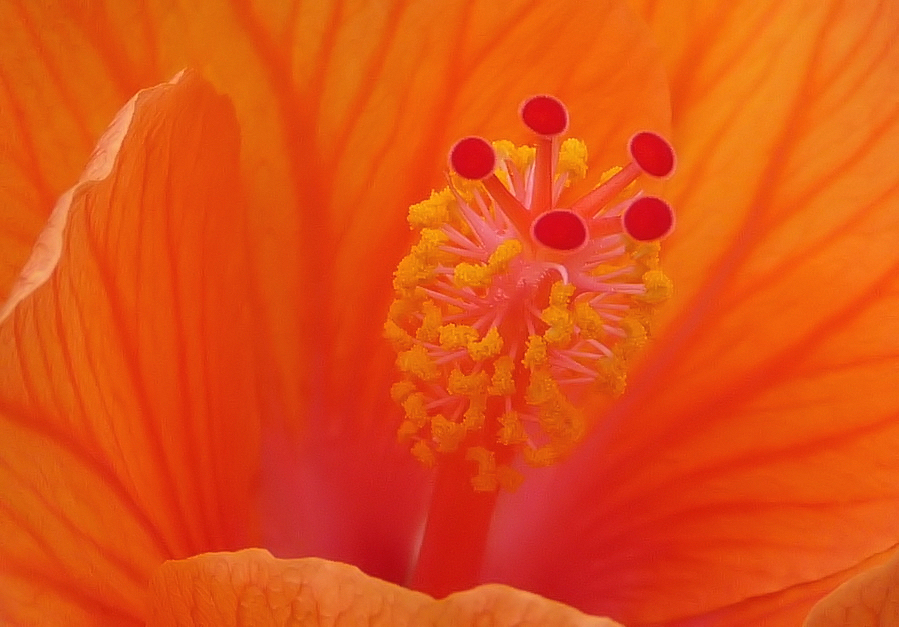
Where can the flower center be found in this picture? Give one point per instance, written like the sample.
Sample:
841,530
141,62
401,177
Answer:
512,309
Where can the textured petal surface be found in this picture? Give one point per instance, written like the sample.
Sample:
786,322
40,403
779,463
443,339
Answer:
128,411
870,599
752,465
252,589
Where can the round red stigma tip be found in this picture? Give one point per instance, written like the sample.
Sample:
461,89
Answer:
648,218
545,115
560,229
652,153
472,158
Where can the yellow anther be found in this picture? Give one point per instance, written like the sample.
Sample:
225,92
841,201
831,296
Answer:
429,243
399,339
588,321
509,478
559,419
489,346
647,254
535,356
431,322
560,294
461,384
608,174
472,275
542,388
512,431
485,480
433,212
400,390
412,271
465,187
573,159
414,406
520,156
404,306
446,433
504,253
475,416
546,455
561,326
636,336
658,287
503,177
407,430
418,363
557,316
456,336
612,375
605,176
502,383
423,453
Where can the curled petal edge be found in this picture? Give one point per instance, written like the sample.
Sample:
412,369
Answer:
251,587
48,248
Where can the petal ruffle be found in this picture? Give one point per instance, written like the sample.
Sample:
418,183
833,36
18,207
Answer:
252,589
128,406
752,461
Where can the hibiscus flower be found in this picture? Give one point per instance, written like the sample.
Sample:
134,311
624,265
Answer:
191,362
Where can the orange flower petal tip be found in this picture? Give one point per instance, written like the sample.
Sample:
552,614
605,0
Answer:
514,306
250,588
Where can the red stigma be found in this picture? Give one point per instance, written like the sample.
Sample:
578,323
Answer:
648,218
472,158
545,115
652,153
560,229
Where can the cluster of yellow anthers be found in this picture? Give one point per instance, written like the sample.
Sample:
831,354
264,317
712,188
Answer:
510,310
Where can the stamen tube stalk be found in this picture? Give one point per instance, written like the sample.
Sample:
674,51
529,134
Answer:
590,204
518,215
455,536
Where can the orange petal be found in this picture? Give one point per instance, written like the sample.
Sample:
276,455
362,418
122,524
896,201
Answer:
251,588
755,452
348,110
64,76
128,415
870,599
